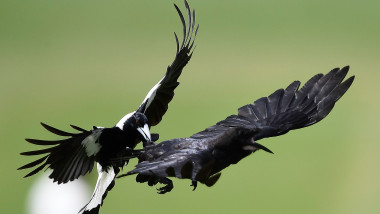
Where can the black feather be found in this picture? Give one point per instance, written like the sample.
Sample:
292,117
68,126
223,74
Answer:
78,128
44,142
38,152
35,170
34,163
201,157
56,131
183,24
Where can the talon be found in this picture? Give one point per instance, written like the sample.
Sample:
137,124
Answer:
164,189
159,191
194,184
167,188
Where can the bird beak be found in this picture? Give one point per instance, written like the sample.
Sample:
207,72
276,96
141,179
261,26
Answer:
255,146
144,131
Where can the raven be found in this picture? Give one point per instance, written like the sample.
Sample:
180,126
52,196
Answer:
75,156
202,156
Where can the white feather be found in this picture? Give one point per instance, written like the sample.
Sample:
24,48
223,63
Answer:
151,94
91,142
148,99
120,124
104,180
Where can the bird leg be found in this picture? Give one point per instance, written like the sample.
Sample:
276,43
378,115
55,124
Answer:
167,188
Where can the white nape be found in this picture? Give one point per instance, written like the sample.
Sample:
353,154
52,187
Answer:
91,142
120,124
46,197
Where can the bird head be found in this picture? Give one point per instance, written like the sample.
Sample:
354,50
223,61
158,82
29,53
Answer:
141,123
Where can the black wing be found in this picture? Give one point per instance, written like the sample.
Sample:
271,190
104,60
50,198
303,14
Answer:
195,159
288,109
67,158
206,153
156,102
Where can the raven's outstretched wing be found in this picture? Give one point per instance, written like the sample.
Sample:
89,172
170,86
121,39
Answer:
156,102
288,109
68,158
206,153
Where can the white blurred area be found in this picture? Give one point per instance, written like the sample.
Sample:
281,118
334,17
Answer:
46,197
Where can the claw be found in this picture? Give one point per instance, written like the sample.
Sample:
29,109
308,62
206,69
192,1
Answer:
194,184
167,188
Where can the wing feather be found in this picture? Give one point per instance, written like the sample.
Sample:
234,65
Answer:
288,109
67,158
202,156
156,102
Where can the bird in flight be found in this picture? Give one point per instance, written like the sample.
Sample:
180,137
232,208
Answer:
75,155
203,156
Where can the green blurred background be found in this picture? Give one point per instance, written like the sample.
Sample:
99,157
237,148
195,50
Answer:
90,62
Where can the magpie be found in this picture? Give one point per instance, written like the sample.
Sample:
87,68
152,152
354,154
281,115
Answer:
203,156
75,155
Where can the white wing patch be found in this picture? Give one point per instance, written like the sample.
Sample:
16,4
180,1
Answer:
91,142
151,94
148,100
104,180
120,124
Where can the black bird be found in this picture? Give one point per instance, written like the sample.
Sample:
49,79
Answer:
202,156
75,156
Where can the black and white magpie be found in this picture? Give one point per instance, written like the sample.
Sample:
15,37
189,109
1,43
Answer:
202,156
75,156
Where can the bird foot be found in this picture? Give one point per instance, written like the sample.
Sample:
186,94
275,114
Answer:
167,188
194,184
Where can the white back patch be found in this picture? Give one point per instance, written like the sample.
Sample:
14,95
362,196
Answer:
91,142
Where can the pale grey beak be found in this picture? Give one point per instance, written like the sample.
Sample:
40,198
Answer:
144,131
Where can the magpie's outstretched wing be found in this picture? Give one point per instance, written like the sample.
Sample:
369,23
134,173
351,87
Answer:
156,102
288,109
68,158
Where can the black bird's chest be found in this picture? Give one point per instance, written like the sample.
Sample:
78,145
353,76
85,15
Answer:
113,142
